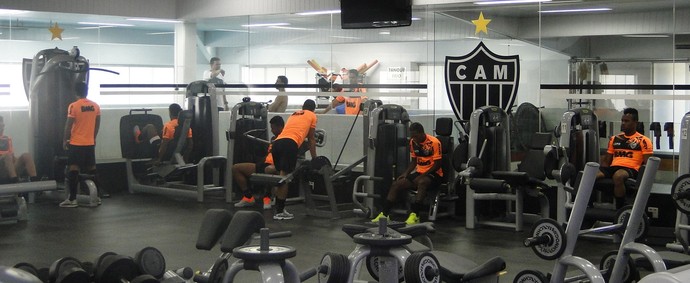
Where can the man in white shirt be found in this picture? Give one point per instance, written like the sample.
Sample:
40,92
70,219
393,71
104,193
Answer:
217,75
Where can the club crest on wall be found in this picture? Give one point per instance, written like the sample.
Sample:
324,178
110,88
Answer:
481,78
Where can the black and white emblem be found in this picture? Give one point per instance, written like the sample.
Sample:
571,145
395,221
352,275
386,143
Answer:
481,78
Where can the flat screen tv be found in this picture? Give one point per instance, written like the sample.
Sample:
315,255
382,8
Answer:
363,14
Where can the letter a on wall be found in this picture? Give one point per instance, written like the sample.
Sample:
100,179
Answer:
481,78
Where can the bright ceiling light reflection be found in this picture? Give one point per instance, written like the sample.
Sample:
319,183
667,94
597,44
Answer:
576,10
266,25
311,13
503,2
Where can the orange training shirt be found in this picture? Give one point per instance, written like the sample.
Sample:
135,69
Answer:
84,113
426,153
6,145
169,130
352,103
629,151
298,125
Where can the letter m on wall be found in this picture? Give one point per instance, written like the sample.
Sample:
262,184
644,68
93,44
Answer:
481,78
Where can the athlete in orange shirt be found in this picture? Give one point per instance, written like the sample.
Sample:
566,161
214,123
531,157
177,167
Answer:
242,171
626,152
169,133
299,126
425,151
81,129
12,167
352,103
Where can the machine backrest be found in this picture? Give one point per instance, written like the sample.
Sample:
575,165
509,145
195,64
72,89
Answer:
444,130
494,153
251,116
202,104
533,163
130,149
179,141
489,129
392,143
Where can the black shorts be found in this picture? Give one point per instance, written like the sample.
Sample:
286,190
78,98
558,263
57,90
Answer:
609,171
284,155
261,167
436,180
82,156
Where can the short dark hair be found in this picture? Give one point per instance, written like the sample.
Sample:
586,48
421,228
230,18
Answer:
213,59
81,89
309,105
417,127
353,71
278,121
174,109
283,79
633,113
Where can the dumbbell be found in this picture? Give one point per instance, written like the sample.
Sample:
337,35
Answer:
114,268
41,273
67,270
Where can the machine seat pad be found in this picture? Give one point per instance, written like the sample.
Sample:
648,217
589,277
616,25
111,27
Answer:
212,228
483,185
512,177
455,268
671,259
241,228
262,178
417,247
417,230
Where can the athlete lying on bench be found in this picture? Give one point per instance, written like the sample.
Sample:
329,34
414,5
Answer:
242,171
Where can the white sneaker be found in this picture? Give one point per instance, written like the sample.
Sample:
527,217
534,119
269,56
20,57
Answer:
69,203
284,216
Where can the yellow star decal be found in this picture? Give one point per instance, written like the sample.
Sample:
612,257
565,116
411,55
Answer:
481,24
56,31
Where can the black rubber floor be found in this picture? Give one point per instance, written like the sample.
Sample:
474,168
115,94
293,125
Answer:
127,223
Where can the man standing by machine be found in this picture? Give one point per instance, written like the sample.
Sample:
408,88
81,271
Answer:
626,152
216,75
423,173
299,126
81,129
281,101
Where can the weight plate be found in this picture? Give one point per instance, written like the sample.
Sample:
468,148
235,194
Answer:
623,214
61,265
335,268
150,261
422,267
555,248
630,273
679,188
274,252
100,258
114,268
530,276
145,278
373,268
73,275
378,240
27,267
218,270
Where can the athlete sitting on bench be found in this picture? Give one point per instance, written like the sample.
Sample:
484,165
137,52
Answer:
425,151
12,167
242,171
626,152
151,143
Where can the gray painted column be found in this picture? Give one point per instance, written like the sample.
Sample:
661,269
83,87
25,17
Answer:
185,53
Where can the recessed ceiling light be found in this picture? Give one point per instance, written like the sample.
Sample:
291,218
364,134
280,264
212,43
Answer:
96,27
345,37
319,12
5,12
266,25
646,35
104,24
161,33
416,19
385,32
292,28
577,10
234,30
155,20
503,2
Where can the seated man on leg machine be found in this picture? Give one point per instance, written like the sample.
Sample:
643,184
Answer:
156,146
626,153
425,151
242,171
